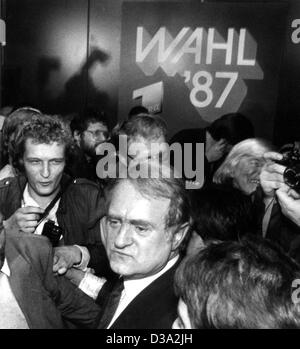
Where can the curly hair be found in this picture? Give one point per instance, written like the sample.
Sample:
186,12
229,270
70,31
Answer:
42,129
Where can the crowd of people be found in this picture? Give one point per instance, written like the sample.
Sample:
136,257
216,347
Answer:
84,244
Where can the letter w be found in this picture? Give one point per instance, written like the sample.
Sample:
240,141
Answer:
159,38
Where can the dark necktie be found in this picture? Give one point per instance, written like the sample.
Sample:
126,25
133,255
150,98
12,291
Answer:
111,304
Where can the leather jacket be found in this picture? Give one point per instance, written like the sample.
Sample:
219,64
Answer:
80,209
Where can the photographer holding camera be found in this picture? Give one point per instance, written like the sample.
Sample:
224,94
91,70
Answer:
41,199
281,187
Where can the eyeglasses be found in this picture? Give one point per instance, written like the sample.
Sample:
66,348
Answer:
98,134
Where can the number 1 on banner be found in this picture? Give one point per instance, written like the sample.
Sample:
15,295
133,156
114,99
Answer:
205,87
152,96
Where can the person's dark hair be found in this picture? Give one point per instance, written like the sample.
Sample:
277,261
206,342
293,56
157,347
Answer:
42,129
239,284
233,127
222,212
165,185
136,110
11,126
82,121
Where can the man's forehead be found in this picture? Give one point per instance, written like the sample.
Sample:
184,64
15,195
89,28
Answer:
33,146
127,200
93,126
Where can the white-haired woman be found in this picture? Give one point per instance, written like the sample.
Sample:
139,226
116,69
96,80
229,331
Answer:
242,166
244,169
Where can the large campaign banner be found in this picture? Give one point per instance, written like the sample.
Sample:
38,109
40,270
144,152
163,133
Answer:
193,62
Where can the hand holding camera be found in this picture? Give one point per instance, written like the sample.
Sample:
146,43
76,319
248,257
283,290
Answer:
25,219
271,175
281,176
291,175
281,169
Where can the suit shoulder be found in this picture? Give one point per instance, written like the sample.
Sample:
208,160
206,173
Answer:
28,241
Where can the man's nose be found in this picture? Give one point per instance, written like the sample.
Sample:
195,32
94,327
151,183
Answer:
45,170
124,236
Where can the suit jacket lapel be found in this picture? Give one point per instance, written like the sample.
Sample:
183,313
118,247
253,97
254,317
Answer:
158,297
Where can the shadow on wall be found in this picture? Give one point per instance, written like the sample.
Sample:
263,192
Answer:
79,90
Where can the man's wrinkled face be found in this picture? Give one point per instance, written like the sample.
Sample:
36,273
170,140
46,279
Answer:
95,134
134,233
183,320
44,165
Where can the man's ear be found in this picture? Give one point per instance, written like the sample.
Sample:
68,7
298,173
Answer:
179,235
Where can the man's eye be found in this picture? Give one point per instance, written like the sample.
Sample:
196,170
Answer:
57,162
113,222
34,162
141,229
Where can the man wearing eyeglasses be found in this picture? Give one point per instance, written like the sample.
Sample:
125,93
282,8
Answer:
89,130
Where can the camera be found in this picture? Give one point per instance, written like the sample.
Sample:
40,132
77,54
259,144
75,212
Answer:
291,175
53,232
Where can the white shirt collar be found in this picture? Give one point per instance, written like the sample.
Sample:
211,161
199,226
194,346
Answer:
136,286
5,268
28,199
133,287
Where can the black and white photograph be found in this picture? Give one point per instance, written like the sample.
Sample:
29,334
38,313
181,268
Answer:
149,167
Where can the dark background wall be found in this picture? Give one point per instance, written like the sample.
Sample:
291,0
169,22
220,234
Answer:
62,55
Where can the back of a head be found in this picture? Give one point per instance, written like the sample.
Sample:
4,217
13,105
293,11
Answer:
239,284
136,111
12,124
17,119
233,127
222,213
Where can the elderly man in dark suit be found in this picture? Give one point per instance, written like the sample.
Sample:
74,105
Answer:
146,222
32,297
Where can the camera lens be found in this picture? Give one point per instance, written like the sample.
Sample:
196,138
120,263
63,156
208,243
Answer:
292,177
